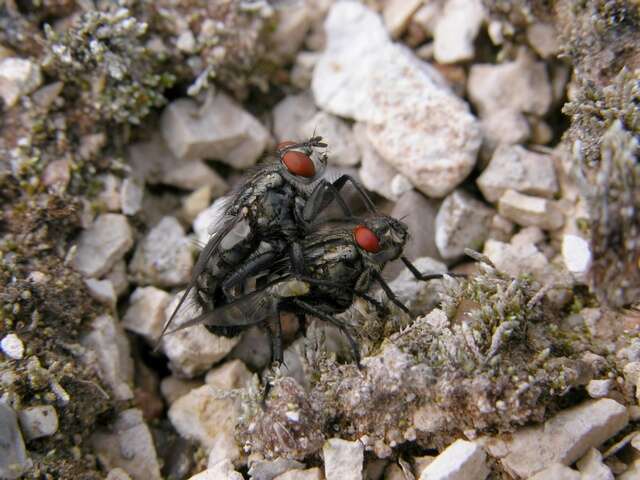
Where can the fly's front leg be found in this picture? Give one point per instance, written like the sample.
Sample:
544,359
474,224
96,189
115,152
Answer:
321,197
381,309
425,277
387,289
341,182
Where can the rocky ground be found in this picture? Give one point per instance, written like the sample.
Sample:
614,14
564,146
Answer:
507,128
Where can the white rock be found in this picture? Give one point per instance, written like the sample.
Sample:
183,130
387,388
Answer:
186,41
294,20
224,447
290,113
576,254
109,195
397,13
228,376
563,438
544,39
592,468
400,185
108,350
513,167
220,471
118,474
18,77
37,422
557,471
269,469
56,175
173,388
202,415
194,203
13,455
102,290
118,277
456,30
192,350
600,388
504,127
527,211
501,229
343,459
521,85
342,149
131,195
302,70
146,313
218,129
519,259
462,222
375,174
128,445
193,175
461,460
413,120
102,245
310,474
164,256
12,346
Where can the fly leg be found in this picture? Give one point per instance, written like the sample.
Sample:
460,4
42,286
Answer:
381,309
305,307
389,292
274,329
321,196
341,182
427,276
253,265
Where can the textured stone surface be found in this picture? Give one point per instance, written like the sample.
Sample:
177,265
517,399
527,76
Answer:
462,222
521,85
413,120
269,469
128,445
102,245
528,211
343,459
557,471
192,351
18,77
102,290
12,346
513,167
164,256
108,350
290,114
218,129
456,30
40,421
461,460
563,438
146,313
13,456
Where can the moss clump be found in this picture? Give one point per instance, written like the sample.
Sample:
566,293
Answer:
104,61
47,305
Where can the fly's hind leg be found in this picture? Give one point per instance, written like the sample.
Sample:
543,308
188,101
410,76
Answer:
425,277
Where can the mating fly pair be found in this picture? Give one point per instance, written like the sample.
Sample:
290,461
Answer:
270,253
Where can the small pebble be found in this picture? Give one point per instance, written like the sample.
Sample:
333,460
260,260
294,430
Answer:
12,346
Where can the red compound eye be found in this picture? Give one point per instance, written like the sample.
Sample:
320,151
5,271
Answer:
285,144
366,239
299,164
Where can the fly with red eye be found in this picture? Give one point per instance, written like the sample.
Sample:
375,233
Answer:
366,239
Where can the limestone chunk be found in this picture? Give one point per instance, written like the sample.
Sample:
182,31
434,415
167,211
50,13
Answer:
462,460
37,422
18,77
527,211
343,459
146,313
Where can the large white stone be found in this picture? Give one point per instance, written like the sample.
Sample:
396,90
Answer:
218,129
18,77
192,351
343,459
202,415
102,245
461,460
413,119
108,350
146,313
521,85
456,30
40,421
513,167
128,445
462,222
563,438
164,256
526,210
